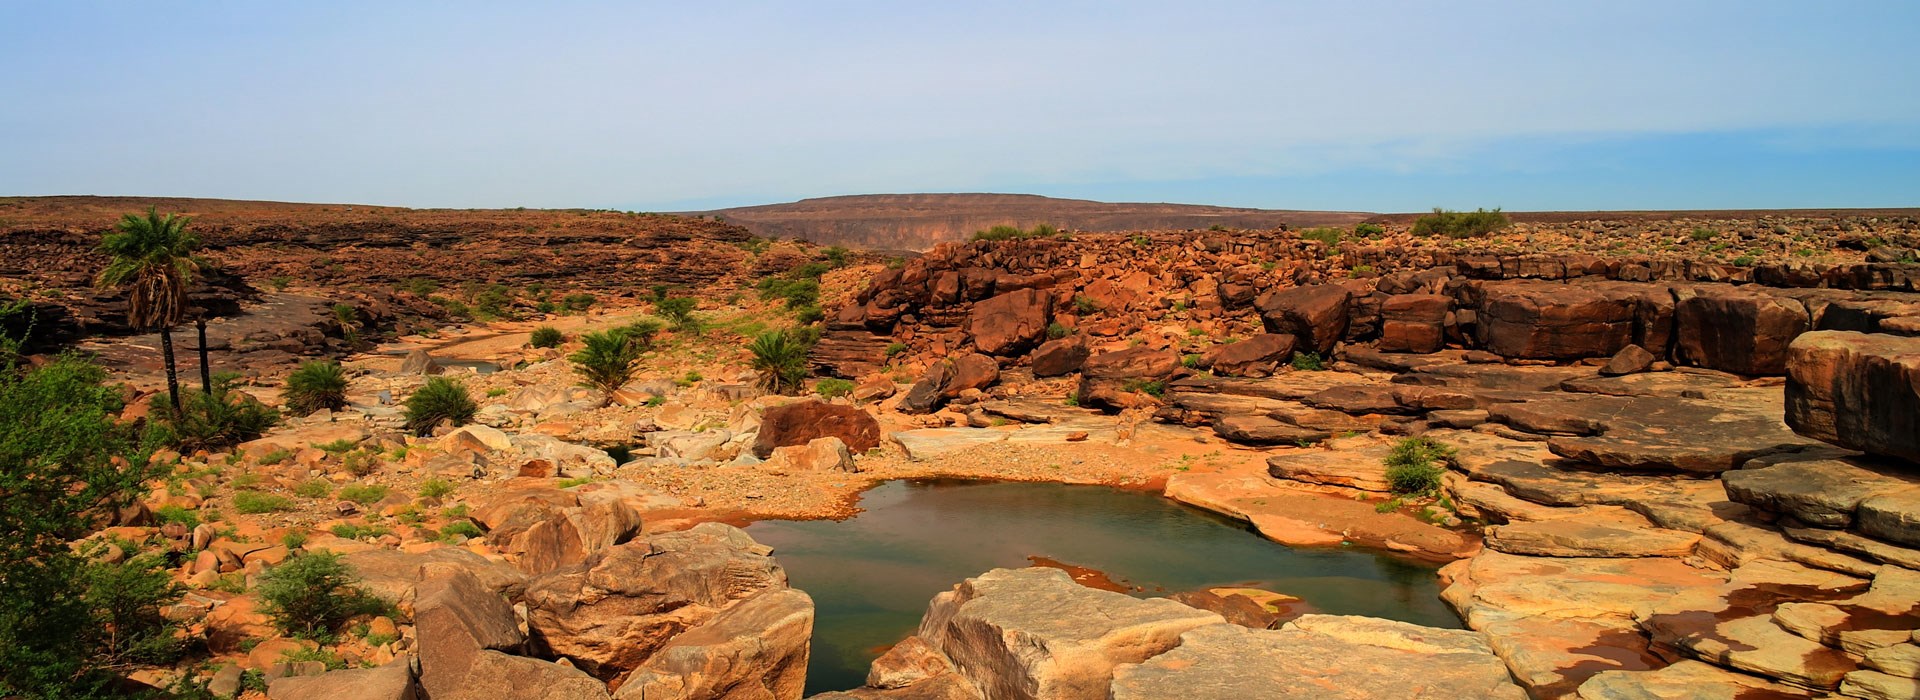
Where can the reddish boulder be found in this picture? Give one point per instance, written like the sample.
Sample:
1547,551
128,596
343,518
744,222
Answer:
1011,323
1315,314
1059,357
1551,321
1414,322
1629,360
946,379
1116,379
1857,390
801,422
1257,356
1739,331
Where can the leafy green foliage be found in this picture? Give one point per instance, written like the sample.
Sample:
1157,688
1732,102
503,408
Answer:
895,349
781,361
546,337
577,302
152,257
312,594
832,387
224,418
798,293
678,311
1461,224
363,494
1328,235
1154,387
607,360
1369,230
254,502
436,488
1415,465
441,400
1058,330
1004,232
836,256
316,386
1308,361
317,488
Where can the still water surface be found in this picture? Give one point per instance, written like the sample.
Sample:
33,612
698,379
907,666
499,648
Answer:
872,575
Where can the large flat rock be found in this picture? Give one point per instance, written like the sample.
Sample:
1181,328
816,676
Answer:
1674,434
1289,515
1684,680
1355,463
1814,488
1321,656
1587,537
1732,625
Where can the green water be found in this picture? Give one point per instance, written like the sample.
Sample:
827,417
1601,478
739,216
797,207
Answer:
872,575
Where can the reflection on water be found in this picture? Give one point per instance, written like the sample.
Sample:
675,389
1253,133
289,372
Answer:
871,576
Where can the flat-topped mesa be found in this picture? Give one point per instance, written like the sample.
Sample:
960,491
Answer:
1857,390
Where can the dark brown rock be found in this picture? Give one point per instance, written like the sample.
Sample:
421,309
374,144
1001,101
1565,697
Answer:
1060,357
801,422
1114,379
1414,322
1011,323
1857,390
946,379
1738,330
1314,314
1629,360
1537,320
1257,356
1261,430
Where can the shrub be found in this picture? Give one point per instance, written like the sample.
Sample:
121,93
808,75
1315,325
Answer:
1004,232
606,361
317,488
312,594
436,488
897,348
1058,330
798,293
1703,234
442,400
280,282
420,286
359,462
462,528
255,503
495,301
780,360
363,494
1308,361
641,332
350,531
546,337
811,271
318,385
340,446
810,315
1369,230
1743,261
833,387
1154,388
1415,465
836,256
1083,305
1461,224
223,418
496,392
578,302
678,311
1327,235
177,515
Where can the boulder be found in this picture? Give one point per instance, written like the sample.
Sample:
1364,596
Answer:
1110,379
1856,390
395,575
1738,330
1631,359
1315,314
1321,656
1414,322
1261,430
1684,680
946,379
1814,488
1011,323
393,681
1059,357
1022,634
548,529
1550,321
614,611
827,454
801,422
1257,356
754,649
419,362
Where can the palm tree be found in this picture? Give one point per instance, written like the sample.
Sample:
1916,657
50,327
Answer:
152,258
607,360
781,361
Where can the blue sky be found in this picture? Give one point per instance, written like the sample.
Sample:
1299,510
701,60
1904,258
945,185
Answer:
1364,105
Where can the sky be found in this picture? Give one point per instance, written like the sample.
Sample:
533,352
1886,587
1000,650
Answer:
1369,105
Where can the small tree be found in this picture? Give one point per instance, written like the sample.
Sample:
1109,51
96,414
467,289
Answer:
152,258
222,418
442,400
678,311
607,360
318,385
312,594
780,360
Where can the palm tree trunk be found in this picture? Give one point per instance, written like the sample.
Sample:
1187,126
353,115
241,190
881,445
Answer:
206,369
173,373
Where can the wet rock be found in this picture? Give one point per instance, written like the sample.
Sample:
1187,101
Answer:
1629,360
1034,633
1856,390
393,681
1257,356
754,649
1321,656
801,422
1010,323
1060,357
1314,314
1737,330
613,612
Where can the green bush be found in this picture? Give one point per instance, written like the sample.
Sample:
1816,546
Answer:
255,503
1415,465
340,446
1461,224
312,594
1004,232
1154,388
798,293
316,386
1369,230
780,360
435,488
317,488
809,315
546,337
810,271
1058,330
836,256
678,311
350,531
833,387
178,516
363,494
1327,235
578,302
211,421
895,349
442,400
462,528
1308,361
276,456
1703,234
606,361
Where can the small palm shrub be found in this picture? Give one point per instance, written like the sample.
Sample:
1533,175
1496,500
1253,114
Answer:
313,594
1415,465
316,386
442,400
781,361
546,337
223,418
607,360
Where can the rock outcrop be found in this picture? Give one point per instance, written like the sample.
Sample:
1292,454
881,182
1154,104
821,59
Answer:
802,422
1857,390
